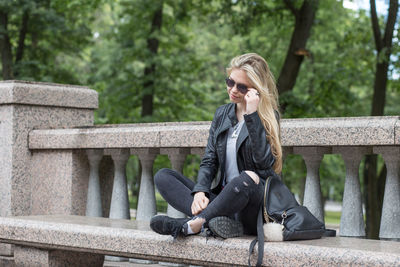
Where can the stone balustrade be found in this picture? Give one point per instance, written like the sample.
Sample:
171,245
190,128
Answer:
53,160
311,138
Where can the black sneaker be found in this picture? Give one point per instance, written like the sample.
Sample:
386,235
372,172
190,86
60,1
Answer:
165,225
225,227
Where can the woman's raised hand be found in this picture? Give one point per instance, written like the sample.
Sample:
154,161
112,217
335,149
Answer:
252,98
200,202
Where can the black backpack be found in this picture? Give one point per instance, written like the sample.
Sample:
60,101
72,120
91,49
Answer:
285,219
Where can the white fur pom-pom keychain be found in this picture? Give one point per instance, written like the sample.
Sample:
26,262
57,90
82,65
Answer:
273,231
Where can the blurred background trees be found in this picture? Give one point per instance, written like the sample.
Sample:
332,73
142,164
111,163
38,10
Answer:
165,60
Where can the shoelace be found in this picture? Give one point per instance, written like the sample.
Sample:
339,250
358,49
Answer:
176,231
209,233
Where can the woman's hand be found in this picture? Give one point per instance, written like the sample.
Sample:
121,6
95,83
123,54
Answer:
252,98
200,202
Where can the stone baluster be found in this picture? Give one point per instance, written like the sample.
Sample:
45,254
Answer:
147,201
390,220
93,204
312,193
177,156
352,220
119,208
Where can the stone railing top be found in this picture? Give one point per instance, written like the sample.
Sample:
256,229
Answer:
47,94
344,131
122,136
351,131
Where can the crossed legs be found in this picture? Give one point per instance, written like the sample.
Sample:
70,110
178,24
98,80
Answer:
241,196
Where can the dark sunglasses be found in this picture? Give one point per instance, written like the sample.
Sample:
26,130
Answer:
241,87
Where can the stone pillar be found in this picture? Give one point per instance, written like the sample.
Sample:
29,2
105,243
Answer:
312,193
390,220
93,204
352,220
119,208
147,201
23,107
59,182
177,156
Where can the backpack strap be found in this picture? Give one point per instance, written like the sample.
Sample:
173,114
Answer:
259,239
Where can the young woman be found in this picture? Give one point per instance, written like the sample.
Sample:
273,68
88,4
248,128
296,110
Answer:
243,147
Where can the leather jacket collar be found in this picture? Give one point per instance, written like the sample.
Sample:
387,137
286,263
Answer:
231,120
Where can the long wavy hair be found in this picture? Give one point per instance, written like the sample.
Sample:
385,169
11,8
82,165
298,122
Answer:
263,81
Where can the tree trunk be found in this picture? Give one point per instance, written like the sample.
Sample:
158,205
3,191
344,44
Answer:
5,48
21,41
304,19
373,193
379,98
21,38
149,72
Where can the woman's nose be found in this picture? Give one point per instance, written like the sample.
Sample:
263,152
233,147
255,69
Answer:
234,88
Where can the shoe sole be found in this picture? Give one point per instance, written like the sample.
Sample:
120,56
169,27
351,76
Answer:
225,227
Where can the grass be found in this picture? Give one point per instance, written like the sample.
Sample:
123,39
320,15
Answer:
332,217
160,203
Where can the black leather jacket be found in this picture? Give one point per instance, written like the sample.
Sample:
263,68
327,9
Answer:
253,149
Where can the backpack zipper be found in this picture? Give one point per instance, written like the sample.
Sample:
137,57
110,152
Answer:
267,218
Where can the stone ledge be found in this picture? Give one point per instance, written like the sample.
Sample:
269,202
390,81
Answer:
356,131
7,261
47,94
134,239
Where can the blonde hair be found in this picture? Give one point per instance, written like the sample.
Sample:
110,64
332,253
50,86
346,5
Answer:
263,81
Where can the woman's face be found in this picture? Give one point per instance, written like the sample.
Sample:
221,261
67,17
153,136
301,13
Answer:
238,76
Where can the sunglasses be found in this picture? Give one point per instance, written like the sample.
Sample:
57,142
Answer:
241,87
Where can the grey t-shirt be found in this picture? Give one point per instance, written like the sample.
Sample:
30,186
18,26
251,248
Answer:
231,168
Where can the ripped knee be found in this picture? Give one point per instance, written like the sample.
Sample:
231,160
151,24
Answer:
253,176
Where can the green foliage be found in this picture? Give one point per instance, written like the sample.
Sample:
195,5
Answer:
334,81
55,37
294,173
104,44
333,171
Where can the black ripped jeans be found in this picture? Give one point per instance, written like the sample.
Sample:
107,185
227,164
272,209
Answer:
242,196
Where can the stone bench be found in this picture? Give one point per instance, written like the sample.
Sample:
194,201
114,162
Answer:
59,240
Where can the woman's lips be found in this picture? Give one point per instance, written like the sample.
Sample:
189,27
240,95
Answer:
234,97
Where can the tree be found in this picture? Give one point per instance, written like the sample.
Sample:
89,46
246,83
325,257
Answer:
149,71
5,43
304,19
383,44
36,35
294,17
